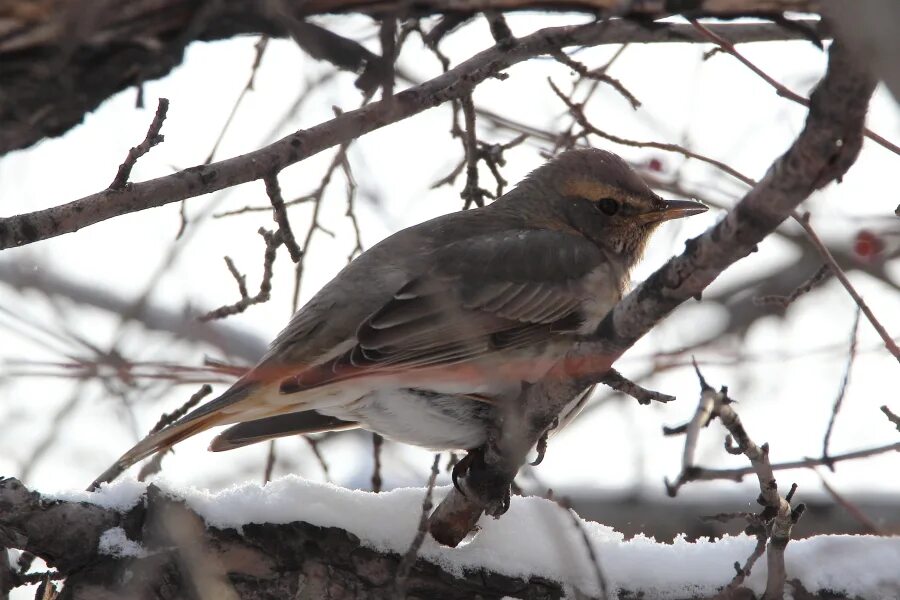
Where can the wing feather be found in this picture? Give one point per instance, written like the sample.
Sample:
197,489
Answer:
496,292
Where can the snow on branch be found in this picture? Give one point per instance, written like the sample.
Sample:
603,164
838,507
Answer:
295,538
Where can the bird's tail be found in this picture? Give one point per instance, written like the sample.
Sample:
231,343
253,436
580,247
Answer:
200,419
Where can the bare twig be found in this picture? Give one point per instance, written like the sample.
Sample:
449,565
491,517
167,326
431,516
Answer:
889,342
845,381
705,474
403,569
280,215
152,138
314,446
854,511
620,383
894,418
260,49
351,207
742,572
377,445
472,193
586,541
780,89
818,277
270,463
777,515
577,111
273,240
597,75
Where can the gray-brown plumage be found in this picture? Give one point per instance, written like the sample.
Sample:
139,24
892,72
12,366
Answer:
421,336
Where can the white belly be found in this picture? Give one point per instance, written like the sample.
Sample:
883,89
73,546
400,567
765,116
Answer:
431,420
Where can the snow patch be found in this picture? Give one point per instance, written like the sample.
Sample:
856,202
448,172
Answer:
114,542
121,495
536,537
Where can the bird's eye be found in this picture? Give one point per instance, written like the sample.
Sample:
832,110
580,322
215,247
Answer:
608,206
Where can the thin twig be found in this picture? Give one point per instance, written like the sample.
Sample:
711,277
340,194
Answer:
320,458
889,343
351,207
260,48
620,383
152,139
254,209
577,111
854,511
586,541
845,381
821,274
780,89
270,463
895,419
705,474
472,193
273,240
377,444
273,190
597,75
409,559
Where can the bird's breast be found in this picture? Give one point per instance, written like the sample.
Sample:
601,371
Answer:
602,289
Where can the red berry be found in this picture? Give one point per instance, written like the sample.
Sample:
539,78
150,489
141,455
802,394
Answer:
867,245
655,165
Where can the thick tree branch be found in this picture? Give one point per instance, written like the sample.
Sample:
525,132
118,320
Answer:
824,150
175,551
160,548
455,84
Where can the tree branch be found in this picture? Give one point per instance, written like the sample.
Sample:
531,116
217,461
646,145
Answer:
452,85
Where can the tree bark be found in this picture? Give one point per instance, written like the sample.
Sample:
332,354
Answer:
181,557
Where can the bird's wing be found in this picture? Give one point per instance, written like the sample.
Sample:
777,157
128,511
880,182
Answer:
487,292
483,294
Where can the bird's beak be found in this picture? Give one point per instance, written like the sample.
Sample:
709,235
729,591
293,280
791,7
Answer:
676,209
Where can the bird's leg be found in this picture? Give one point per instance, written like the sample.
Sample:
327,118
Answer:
541,446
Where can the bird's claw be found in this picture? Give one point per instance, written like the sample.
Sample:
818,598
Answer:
461,468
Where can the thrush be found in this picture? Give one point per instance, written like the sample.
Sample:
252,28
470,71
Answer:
422,336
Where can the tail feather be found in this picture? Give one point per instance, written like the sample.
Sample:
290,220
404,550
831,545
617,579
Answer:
161,440
259,430
200,419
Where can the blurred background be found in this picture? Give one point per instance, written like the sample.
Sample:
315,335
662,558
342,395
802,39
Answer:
99,332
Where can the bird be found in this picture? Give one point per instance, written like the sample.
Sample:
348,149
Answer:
422,336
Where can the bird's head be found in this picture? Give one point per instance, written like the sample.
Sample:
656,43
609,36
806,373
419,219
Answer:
601,196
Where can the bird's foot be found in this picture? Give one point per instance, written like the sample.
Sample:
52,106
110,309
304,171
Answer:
473,479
